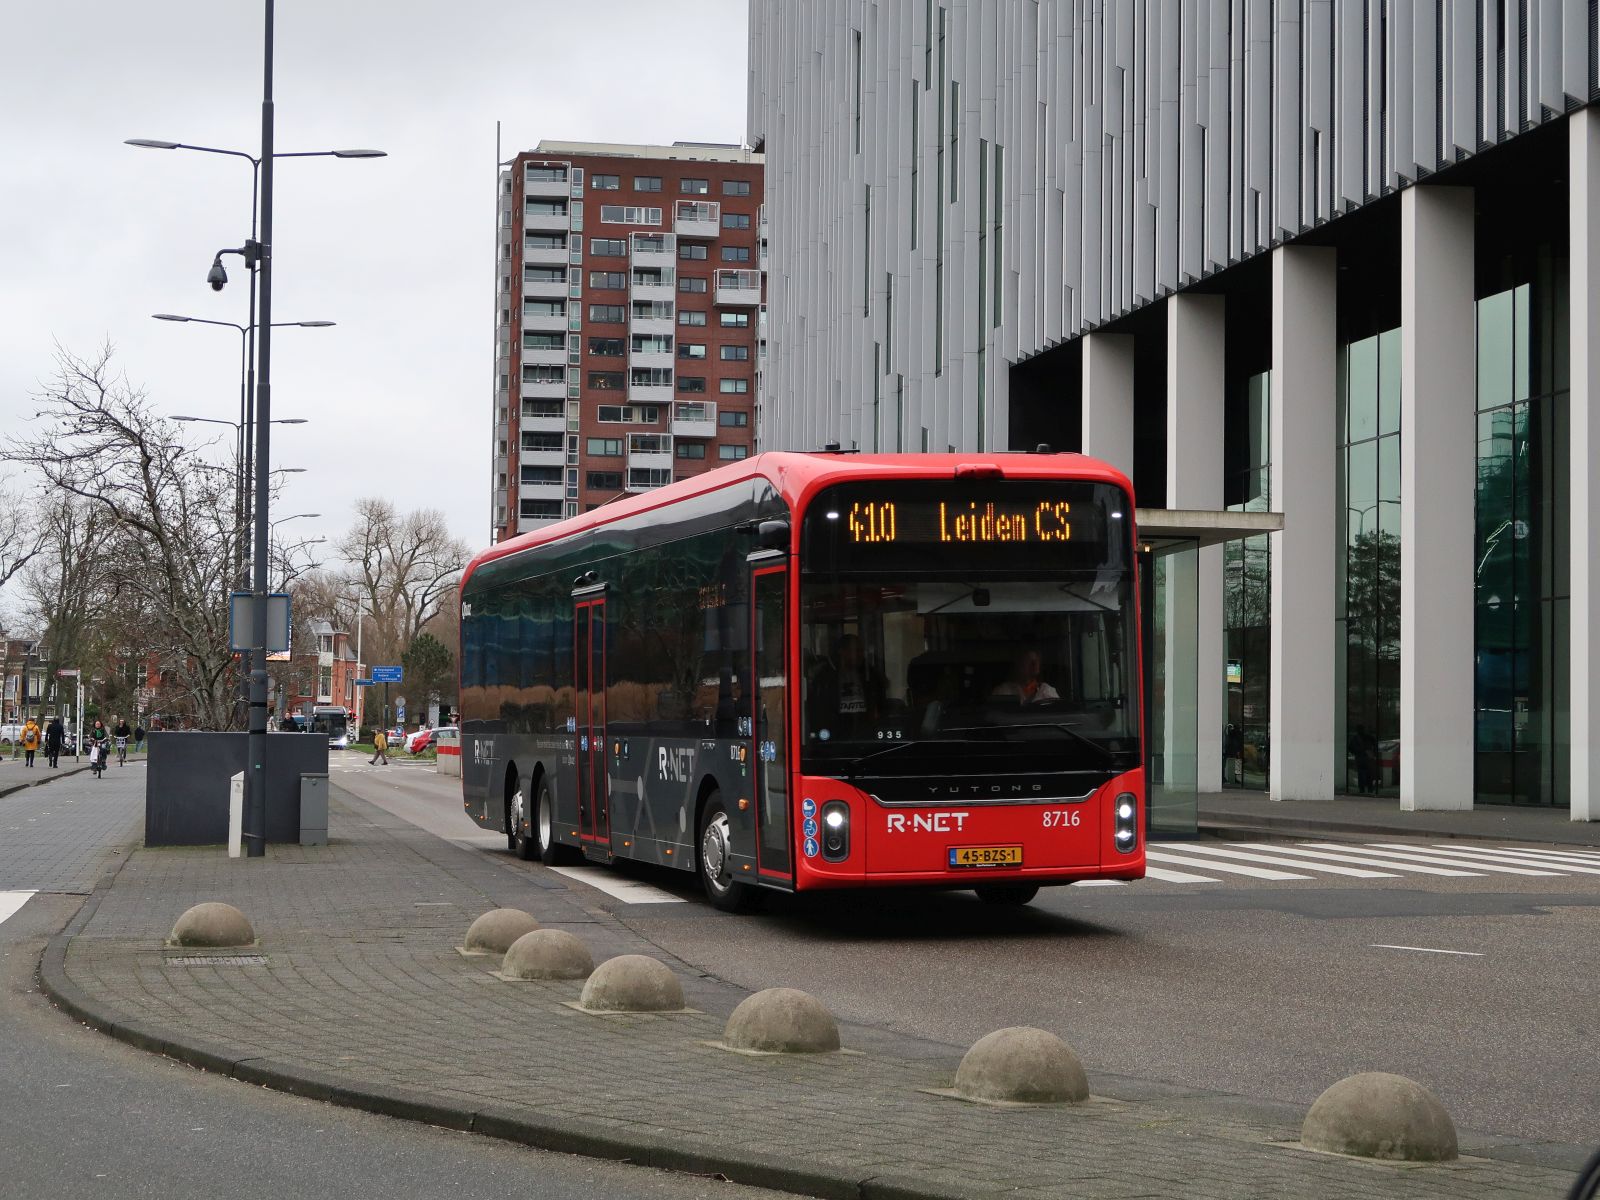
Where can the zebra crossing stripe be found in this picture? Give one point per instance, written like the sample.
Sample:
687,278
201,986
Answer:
1472,854
1552,857
1343,857
1180,860
1274,860
1373,848
1167,876
11,903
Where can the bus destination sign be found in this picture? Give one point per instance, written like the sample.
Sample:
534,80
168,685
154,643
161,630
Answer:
936,522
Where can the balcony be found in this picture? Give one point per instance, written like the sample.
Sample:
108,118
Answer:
535,421
535,186
653,285
542,458
738,288
543,322
541,490
544,289
527,524
542,217
544,256
659,326
544,389
653,250
694,419
654,357
650,393
697,218
544,356
650,452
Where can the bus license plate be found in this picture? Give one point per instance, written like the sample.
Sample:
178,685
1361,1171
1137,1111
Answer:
985,856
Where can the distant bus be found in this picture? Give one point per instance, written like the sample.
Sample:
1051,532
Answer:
820,670
333,720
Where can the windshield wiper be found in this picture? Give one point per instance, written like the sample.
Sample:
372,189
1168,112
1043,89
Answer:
928,744
1066,727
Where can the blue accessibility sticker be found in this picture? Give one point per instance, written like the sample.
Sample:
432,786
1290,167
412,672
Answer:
808,807
811,847
810,827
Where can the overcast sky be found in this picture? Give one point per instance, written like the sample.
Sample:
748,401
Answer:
95,235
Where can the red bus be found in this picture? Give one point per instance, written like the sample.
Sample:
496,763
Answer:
818,671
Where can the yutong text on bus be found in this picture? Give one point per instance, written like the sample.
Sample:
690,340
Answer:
820,670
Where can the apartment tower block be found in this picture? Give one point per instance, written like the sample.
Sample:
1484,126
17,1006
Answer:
629,320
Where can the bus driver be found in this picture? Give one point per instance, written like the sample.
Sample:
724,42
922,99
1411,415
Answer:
1025,686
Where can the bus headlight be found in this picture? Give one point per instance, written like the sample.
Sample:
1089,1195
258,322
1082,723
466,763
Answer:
1126,835
835,831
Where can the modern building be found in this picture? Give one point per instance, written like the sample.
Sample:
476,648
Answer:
1331,270
629,306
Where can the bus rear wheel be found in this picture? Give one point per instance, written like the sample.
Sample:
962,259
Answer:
1014,894
716,859
518,832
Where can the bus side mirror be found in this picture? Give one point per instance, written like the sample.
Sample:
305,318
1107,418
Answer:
773,535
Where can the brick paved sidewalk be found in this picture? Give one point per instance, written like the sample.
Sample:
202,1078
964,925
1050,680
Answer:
363,999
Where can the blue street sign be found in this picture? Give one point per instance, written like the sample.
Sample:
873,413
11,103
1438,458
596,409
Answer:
364,683
387,674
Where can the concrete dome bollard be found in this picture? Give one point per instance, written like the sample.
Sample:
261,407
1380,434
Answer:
547,954
1379,1115
632,983
494,932
782,1021
213,924
1022,1065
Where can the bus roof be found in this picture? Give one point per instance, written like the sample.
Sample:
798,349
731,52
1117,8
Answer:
796,476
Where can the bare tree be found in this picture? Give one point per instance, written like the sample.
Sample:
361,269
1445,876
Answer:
170,542
402,569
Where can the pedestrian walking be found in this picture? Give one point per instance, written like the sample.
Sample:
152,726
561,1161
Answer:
380,749
138,737
54,734
30,739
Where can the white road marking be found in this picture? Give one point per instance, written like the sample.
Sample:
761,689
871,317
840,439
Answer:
1428,950
10,902
1164,856
1409,855
1553,858
1272,859
1167,876
1299,852
1474,855
1098,883
626,890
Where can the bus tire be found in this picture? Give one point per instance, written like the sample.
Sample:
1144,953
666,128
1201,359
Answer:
522,839
714,859
1013,894
551,852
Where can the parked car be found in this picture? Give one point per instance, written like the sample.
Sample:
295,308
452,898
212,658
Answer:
9,734
423,738
396,735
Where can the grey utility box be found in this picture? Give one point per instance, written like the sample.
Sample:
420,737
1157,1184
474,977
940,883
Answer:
314,808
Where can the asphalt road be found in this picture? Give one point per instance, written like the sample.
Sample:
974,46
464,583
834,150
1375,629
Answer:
1270,988
85,1116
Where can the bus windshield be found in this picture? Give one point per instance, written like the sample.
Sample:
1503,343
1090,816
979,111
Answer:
924,654
334,724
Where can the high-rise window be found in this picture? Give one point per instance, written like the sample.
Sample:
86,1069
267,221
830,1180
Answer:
610,347
647,183
607,314
608,279
691,283
735,187
727,452
733,387
734,353
604,183
736,220
597,447
694,187
735,253
692,251
608,247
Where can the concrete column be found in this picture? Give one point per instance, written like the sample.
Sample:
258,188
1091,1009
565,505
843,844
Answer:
1584,283
1303,441
1196,366
1438,480
1108,399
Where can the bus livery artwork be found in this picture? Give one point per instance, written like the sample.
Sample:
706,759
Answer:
822,670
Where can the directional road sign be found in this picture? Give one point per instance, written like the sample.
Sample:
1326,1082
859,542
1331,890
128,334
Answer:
387,674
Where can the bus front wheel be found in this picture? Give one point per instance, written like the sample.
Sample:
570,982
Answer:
716,859
1016,894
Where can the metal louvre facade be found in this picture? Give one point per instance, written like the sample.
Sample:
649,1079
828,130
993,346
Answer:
955,187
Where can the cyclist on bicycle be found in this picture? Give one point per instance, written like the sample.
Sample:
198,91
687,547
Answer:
99,739
122,734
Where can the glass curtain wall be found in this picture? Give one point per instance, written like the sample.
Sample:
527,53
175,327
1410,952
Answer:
1521,585
1247,598
1367,596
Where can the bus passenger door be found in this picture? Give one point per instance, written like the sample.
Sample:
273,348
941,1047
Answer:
770,725
589,701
